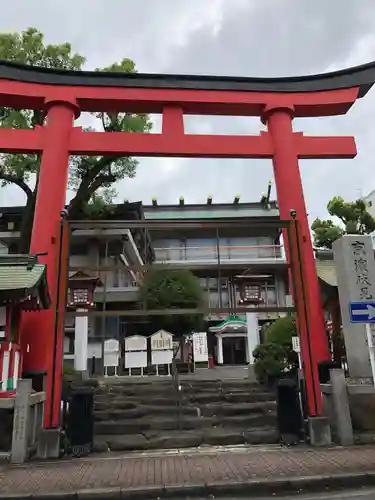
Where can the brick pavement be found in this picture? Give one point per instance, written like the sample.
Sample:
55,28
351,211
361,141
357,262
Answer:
193,468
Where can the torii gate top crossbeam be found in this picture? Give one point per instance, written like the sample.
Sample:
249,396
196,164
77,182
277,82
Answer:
313,95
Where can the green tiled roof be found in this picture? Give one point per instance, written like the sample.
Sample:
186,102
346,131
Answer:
232,319
232,322
209,214
326,271
18,277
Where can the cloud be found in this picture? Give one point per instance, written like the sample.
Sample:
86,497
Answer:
229,37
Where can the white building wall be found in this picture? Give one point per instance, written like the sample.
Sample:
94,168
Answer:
370,199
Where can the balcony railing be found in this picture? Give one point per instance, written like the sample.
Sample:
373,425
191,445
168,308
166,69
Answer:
225,252
118,287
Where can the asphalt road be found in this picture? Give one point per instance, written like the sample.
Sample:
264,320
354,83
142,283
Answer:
362,494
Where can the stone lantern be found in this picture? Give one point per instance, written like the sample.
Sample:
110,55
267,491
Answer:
81,289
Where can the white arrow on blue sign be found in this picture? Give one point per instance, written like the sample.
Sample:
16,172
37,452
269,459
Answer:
362,312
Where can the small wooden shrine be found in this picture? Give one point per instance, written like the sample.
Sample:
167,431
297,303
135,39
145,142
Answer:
23,287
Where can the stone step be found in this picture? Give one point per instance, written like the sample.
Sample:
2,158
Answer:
160,423
185,439
128,403
169,399
115,414
106,412
239,397
237,408
135,390
192,380
169,394
188,386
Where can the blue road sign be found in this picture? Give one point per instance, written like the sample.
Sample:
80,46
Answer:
362,312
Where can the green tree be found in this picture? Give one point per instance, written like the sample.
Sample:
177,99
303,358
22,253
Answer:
91,178
282,330
172,289
274,360
354,218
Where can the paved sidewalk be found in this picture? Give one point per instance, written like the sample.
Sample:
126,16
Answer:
189,468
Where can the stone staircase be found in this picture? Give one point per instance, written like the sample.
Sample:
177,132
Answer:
143,415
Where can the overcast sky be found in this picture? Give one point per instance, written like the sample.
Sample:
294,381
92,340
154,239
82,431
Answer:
223,37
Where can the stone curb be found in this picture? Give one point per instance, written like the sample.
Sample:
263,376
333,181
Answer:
252,488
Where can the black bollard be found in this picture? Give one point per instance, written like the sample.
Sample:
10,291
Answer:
289,417
80,420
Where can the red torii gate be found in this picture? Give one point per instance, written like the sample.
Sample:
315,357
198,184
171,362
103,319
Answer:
64,94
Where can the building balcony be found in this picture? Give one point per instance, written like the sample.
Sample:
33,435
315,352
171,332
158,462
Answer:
246,254
105,234
127,292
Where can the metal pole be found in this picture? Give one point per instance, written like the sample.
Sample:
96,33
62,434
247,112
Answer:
218,267
104,305
370,344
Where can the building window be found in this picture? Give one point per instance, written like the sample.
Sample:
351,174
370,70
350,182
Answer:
68,343
213,299
79,249
269,295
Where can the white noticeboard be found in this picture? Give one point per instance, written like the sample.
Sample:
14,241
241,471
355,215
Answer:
161,348
135,343
161,341
200,347
161,357
135,352
136,359
111,352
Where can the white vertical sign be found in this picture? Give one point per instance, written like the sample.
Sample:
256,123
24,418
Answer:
297,348
200,347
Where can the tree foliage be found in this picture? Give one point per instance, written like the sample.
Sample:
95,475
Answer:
172,289
274,360
282,330
354,218
91,178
